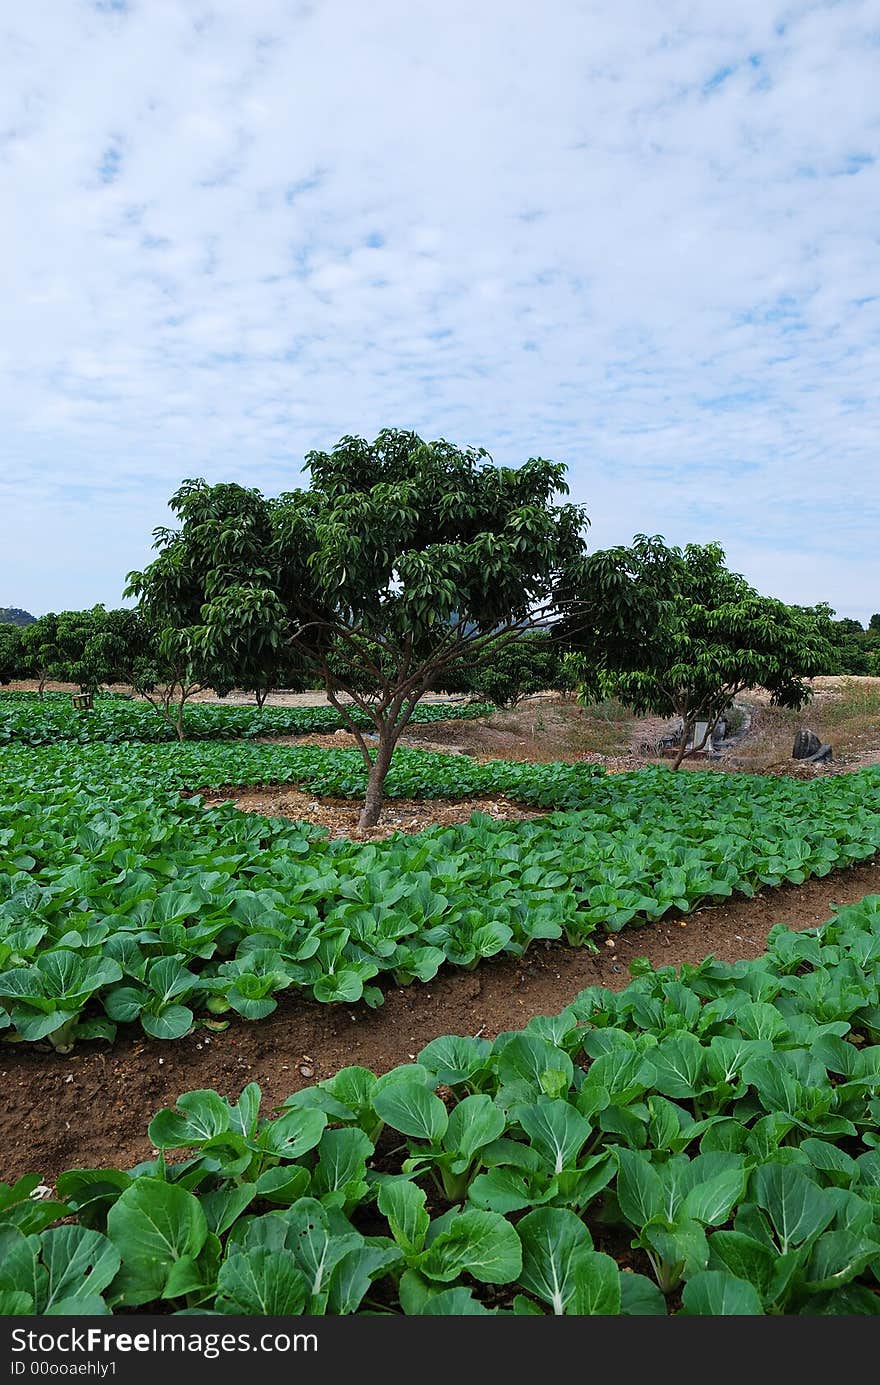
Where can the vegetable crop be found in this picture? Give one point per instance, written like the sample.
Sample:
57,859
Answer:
26,719
715,1130
121,902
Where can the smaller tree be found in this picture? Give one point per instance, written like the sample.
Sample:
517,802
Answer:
11,655
672,632
39,644
79,649
511,672
209,599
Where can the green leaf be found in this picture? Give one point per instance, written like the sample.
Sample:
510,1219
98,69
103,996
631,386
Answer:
353,1276
80,1263
458,1302
837,1257
548,1070
677,1063
554,1244
261,1283
556,1131
318,1250
171,1022
283,1184
712,1201
482,1244
639,1188
501,1190
292,1134
454,1060
15,1303
598,1291
796,1207
225,1205
412,1109
153,1224
473,1124
198,1117
640,1297
341,1168
714,1293
744,1258
403,1205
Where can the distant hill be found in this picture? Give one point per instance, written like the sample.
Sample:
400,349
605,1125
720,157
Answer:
11,615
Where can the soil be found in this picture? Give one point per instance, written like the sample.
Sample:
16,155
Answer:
315,697
340,815
90,1108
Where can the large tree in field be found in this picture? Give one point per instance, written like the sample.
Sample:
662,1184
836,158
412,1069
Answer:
672,632
401,557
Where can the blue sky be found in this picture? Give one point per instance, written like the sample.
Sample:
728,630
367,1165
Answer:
639,238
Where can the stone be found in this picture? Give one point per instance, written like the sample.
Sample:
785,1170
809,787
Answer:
820,756
806,744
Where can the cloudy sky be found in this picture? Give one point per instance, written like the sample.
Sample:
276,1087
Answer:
640,238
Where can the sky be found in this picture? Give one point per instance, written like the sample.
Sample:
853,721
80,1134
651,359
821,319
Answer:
639,238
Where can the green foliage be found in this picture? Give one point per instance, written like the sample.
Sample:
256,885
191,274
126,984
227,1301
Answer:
211,595
11,657
121,902
672,631
401,557
90,648
529,663
26,720
854,650
718,1125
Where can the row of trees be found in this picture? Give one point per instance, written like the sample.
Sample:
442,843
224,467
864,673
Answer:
97,649
406,566
855,647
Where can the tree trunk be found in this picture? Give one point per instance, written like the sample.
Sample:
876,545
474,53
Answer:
687,727
375,795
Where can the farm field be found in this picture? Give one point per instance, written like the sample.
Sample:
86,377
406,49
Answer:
699,1143
154,939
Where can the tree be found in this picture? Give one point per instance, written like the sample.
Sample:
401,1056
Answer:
11,658
401,557
874,622
40,649
79,649
672,631
211,599
508,674
850,644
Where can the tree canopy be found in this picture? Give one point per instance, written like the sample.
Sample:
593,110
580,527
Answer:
673,632
399,557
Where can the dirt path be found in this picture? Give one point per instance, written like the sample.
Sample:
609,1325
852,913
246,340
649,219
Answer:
90,1109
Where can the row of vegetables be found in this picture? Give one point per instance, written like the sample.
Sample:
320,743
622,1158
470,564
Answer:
29,720
702,1143
122,902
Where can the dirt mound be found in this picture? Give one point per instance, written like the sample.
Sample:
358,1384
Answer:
340,815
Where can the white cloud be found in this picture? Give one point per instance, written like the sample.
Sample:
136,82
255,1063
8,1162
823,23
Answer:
641,239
